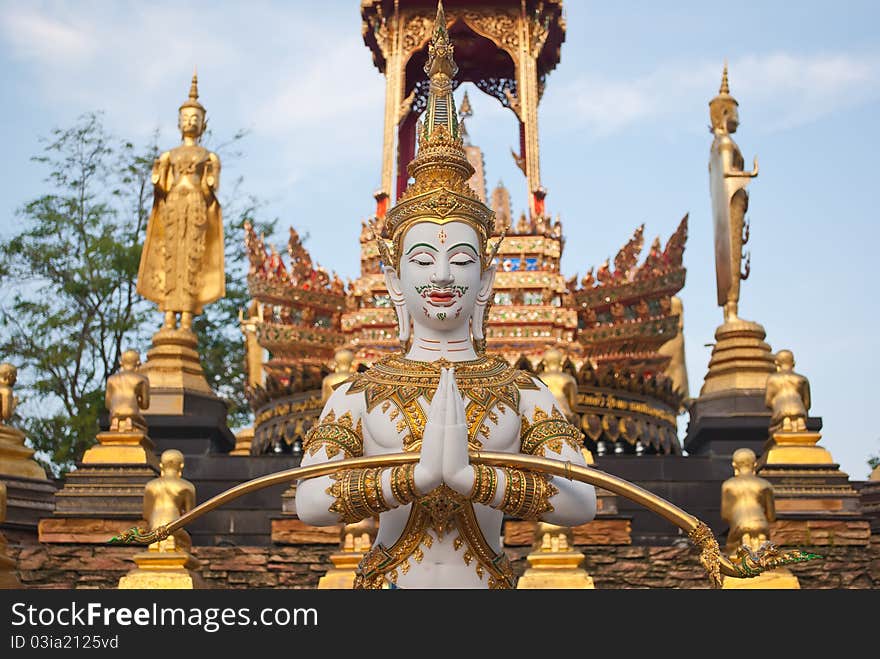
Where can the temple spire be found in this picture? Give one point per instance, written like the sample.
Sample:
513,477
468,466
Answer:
441,69
465,111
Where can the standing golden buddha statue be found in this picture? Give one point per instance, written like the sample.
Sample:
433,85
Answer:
181,267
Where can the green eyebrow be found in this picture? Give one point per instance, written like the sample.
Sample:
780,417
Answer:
462,245
421,245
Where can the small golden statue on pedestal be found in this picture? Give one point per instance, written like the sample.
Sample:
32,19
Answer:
747,505
126,442
562,384
342,361
15,457
8,576
554,562
356,541
167,563
182,264
788,397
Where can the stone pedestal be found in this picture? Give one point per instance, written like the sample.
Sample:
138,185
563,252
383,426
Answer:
806,481
730,412
184,412
29,491
779,579
341,575
105,493
16,459
243,440
870,498
356,540
85,530
157,570
554,563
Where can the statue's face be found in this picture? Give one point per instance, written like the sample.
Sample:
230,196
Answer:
191,122
440,273
732,120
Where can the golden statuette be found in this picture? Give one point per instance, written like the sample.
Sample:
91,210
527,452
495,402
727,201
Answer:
788,395
181,266
727,182
168,497
16,459
128,392
342,361
562,384
746,505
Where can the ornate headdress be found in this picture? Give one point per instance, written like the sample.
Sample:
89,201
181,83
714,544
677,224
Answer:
440,192
723,105
193,100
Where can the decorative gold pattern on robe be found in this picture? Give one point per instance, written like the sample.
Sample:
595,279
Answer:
485,383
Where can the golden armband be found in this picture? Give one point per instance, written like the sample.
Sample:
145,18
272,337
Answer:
548,432
357,494
527,494
485,484
337,436
403,484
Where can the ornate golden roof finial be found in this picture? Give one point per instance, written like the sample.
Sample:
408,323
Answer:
193,100
465,110
440,192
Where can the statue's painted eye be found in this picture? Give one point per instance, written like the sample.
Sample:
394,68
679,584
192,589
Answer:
462,262
419,262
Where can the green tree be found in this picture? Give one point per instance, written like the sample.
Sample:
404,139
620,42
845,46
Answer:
69,305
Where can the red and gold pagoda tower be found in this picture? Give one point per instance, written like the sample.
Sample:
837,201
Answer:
611,326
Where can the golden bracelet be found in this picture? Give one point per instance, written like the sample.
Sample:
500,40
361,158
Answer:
403,484
485,484
357,495
527,494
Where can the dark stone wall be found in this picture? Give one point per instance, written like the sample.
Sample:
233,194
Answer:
612,567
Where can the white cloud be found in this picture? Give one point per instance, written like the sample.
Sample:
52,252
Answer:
777,91
53,41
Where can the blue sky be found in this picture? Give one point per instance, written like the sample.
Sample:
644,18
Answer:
624,139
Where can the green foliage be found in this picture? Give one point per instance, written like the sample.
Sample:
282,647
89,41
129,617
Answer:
69,305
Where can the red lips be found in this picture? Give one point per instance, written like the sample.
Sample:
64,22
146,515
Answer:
441,298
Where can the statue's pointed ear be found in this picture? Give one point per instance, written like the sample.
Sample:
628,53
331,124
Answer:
392,282
487,280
